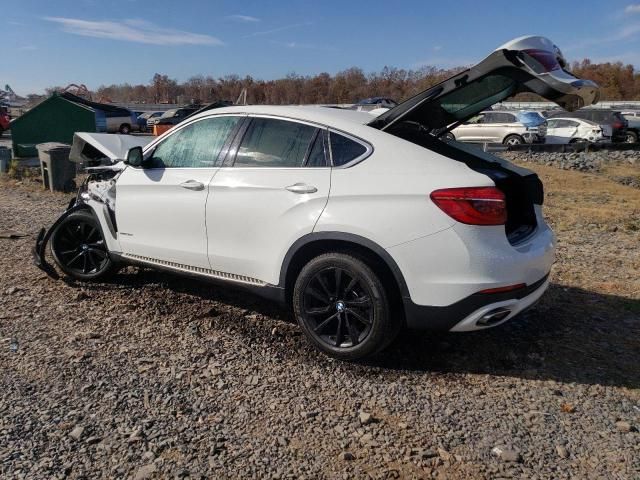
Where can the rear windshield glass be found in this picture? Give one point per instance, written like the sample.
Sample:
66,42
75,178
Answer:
531,118
169,113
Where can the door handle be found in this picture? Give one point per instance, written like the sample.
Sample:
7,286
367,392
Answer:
301,188
192,185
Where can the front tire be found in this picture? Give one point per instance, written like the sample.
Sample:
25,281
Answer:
79,249
125,129
343,307
513,140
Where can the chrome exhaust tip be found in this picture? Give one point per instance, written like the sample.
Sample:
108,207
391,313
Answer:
493,317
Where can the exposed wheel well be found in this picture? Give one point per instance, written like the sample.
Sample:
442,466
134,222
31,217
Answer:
318,247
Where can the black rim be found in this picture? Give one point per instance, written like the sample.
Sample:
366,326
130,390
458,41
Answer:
80,247
337,307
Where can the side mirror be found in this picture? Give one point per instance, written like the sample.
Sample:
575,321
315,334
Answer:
134,157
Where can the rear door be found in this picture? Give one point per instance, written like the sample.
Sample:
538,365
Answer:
270,192
528,64
561,130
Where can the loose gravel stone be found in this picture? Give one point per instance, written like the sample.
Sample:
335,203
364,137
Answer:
624,427
506,454
562,451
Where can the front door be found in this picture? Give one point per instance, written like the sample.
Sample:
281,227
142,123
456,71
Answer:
160,208
271,193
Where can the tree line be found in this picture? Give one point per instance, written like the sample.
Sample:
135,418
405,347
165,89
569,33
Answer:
617,82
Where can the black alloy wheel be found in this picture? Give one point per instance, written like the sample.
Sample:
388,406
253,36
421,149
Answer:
341,304
339,307
79,248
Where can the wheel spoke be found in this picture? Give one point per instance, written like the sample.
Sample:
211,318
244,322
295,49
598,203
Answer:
73,260
90,234
92,260
360,317
353,332
99,245
317,295
350,286
72,235
325,323
339,334
338,274
101,253
84,262
68,252
359,302
323,284
318,311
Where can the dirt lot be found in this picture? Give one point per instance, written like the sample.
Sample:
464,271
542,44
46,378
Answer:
151,375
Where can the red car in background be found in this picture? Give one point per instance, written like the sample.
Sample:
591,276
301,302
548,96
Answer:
4,120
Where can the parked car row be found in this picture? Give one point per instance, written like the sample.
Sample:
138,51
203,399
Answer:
559,127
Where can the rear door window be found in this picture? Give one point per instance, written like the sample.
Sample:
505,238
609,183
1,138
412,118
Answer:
275,143
344,150
317,155
504,118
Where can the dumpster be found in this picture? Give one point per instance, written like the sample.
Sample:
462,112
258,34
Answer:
58,172
5,158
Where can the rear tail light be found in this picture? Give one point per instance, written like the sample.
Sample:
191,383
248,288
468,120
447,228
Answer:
618,124
541,61
472,205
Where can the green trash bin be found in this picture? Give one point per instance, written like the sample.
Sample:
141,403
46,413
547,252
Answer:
58,172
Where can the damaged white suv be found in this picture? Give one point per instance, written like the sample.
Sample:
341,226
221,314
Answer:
362,225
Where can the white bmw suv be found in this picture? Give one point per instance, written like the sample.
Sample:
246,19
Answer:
363,225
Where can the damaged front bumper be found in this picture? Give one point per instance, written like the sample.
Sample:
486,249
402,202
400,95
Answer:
98,190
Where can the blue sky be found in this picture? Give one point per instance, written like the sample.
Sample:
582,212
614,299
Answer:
47,43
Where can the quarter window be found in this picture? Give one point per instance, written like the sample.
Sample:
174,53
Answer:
194,146
274,143
344,150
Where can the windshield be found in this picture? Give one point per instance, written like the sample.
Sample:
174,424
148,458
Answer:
531,119
169,113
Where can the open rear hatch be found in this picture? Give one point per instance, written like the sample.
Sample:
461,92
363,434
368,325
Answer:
527,64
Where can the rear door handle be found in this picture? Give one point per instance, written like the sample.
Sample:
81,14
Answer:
302,188
192,185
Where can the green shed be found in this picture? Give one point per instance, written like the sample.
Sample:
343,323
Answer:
54,120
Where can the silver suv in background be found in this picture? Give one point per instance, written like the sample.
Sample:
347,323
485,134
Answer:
508,127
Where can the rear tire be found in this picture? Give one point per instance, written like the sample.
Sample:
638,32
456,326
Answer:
632,137
342,307
513,140
79,249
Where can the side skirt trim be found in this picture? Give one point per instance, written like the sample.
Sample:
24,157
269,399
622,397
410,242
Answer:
196,270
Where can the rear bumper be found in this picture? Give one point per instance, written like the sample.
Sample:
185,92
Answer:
466,314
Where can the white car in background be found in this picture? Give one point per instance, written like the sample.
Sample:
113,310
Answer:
574,130
361,225
506,127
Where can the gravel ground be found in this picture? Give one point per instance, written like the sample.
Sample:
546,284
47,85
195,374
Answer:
153,376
